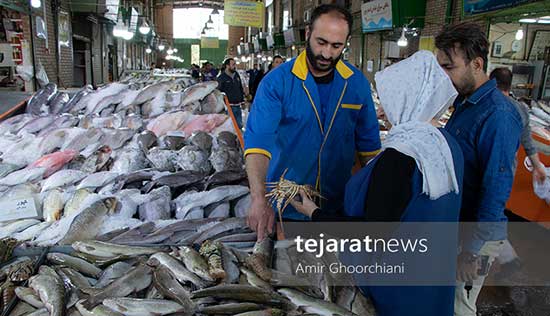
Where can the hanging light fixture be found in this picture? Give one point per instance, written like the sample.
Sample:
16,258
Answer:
519,35
161,47
36,3
210,20
119,29
127,35
402,42
148,50
175,50
269,58
215,11
169,51
144,28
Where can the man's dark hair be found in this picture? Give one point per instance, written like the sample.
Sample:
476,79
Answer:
467,36
503,77
331,8
227,61
277,56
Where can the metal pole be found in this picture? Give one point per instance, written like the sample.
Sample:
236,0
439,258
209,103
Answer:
55,13
32,52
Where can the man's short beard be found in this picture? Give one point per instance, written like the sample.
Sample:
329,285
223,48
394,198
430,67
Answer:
312,58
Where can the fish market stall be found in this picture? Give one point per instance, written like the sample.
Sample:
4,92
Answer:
131,199
523,200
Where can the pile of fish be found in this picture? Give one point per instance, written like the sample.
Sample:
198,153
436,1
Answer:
119,156
539,118
204,277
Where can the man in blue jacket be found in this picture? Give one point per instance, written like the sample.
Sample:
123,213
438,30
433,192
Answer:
487,127
310,116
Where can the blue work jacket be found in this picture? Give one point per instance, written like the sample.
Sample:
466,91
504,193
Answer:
284,124
487,127
405,300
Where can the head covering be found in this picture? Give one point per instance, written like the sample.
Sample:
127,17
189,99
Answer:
413,92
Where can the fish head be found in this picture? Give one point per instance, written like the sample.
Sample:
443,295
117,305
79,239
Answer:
110,204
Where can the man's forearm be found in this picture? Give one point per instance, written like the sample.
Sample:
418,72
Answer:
256,169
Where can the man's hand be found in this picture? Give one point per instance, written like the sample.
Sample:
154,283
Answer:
261,217
539,173
467,267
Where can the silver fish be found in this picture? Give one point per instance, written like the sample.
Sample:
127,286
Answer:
98,179
62,178
76,98
17,226
37,105
37,124
32,231
58,102
195,262
142,307
198,92
187,202
74,202
78,264
104,249
22,176
176,268
52,208
29,296
87,223
313,305
51,293
112,273
167,284
134,281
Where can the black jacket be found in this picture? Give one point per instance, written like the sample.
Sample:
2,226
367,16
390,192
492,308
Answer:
232,87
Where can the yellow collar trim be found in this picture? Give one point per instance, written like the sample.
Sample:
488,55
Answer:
300,68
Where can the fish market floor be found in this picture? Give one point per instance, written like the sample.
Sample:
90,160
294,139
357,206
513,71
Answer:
11,99
532,248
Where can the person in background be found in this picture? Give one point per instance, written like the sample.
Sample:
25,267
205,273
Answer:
276,62
503,76
310,116
152,69
508,258
209,73
420,168
488,127
229,82
195,71
255,75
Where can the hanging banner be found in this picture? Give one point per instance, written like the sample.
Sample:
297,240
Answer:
244,13
210,42
111,9
376,15
480,6
64,29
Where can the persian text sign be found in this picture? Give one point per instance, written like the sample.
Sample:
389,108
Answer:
376,15
244,13
210,42
480,6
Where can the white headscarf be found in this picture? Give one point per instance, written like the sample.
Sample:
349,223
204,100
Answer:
413,92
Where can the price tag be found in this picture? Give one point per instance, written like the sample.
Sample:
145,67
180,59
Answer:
18,209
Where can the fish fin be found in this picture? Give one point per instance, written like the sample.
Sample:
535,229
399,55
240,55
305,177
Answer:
90,291
90,303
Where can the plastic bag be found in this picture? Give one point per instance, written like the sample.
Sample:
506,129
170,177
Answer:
41,75
25,72
542,190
